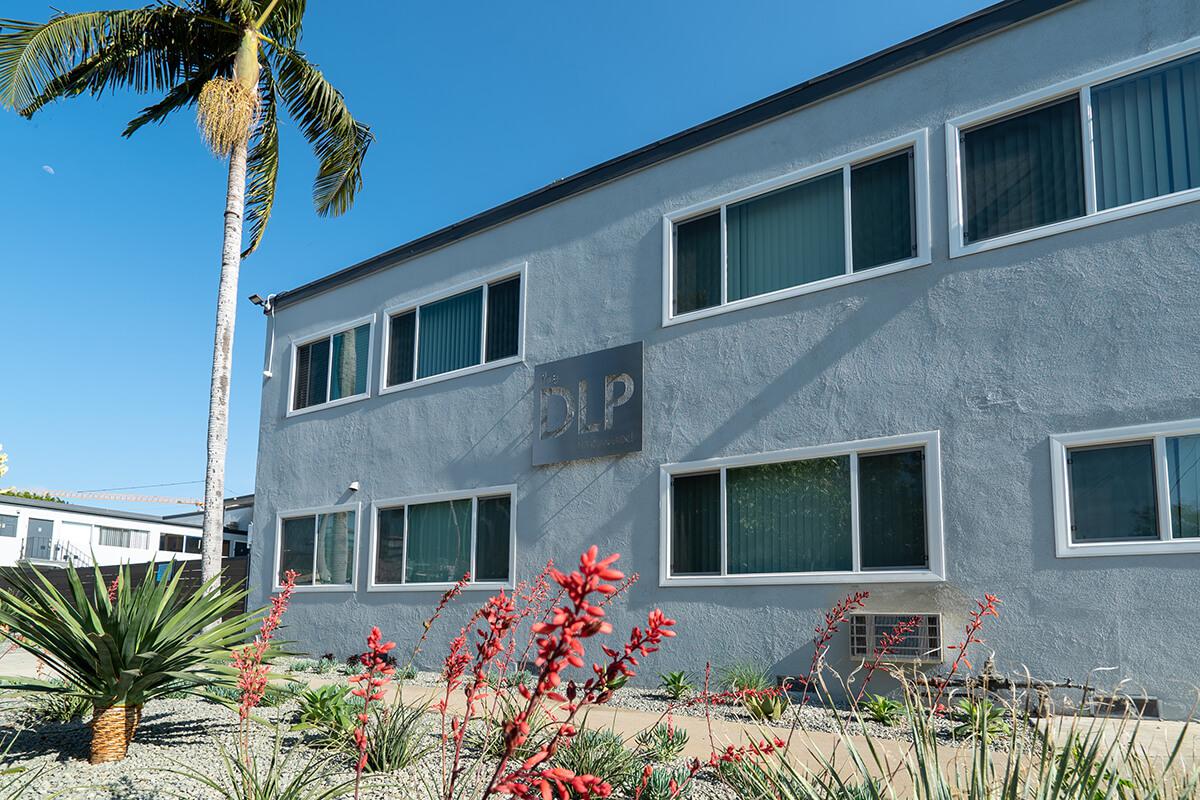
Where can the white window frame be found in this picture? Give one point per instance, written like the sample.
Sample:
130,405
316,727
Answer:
139,534
1157,432
329,333
917,141
1081,87
935,545
514,271
474,495
352,586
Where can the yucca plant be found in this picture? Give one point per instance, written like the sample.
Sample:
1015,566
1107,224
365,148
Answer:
147,641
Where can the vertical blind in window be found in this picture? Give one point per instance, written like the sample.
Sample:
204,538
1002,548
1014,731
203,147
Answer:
698,263
1023,171
332,368
1112,492
696,524
786,238
449,334
882,211
431,542
891,503
122,537
1147,133
795,516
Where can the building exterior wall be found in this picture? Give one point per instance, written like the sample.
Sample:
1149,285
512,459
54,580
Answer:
78,527
997,351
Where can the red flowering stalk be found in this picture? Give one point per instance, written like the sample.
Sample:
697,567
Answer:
112,589
560,645
247,660
887,644
371,686
825,632
451,593
987,607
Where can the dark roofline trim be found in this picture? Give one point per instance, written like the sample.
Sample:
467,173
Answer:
954,34
94,511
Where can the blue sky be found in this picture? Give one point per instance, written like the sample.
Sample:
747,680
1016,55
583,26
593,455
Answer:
110,252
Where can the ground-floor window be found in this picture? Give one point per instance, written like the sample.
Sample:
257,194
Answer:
123,537
435,540
1128,490
815,513
319,546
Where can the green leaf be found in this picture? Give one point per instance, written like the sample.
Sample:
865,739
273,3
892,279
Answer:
262,163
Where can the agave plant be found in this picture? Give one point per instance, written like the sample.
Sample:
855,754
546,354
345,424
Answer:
146,641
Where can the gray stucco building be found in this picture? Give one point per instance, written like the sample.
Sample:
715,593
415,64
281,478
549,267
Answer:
923,326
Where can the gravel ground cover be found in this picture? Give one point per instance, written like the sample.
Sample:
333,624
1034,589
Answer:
189,734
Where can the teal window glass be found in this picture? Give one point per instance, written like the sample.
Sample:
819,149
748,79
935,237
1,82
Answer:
1112,492
791,517
351,355
8,526
439,542
389,546
696,524
1183,478
493,526
503,319
891,510
698,263
297,548
449,335
335,548
883,225
1146,129
1023,171
786,238
312,374
402,333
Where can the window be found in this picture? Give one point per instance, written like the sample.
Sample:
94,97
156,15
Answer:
817,514
319,546
1128,490
332,368
123,537
1119,141
8,526
812,229
466,329
435,540
170,543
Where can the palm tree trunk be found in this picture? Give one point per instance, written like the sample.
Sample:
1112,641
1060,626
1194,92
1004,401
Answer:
218,397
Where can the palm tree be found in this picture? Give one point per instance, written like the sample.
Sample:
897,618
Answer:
235,60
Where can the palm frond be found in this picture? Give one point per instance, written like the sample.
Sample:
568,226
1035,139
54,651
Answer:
145,49
262,163
285,20
339,141
182,95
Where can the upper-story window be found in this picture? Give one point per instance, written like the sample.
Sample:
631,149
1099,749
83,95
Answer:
843,220
858,511
332,368
8,526
1132,490
463,330
1116,142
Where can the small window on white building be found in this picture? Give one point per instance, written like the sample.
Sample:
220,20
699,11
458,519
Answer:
8,526
1128,490
123,537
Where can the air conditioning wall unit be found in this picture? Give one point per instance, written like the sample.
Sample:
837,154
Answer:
922,645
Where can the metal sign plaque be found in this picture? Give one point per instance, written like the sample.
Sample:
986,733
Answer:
588,406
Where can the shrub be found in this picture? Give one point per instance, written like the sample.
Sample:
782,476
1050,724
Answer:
117,654
303,665
396,737
980,718
665,783
601,753
675,685
329,711
661,743
745,677
56,707
767,706
883,710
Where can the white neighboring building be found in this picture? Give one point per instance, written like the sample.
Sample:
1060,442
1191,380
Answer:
55,534
239,525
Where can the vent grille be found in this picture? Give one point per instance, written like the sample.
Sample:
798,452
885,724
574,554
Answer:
923,645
